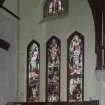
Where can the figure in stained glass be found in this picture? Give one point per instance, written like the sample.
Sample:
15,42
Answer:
75,67
34,59
33,72
75,55
54,52
53,70
55,8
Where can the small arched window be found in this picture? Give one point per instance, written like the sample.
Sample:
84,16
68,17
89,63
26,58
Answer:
33,71
53,57
75,67
55,8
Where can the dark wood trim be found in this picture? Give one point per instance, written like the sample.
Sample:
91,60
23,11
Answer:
2,2
14,15
104,30
98,11
4,44
97,16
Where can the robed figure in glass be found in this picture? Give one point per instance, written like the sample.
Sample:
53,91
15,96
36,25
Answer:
75,67
53,70
33,67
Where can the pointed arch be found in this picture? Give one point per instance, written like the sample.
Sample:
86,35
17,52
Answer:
75,67
53,59
33,71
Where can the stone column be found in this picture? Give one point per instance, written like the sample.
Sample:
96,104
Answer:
100,76
102,92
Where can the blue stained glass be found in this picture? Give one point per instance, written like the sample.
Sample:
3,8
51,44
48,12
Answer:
33,72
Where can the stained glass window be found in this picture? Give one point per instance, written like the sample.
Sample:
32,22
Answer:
75,72
53,52
55,8
33,67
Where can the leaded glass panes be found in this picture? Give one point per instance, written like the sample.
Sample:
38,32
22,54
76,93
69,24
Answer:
33,67
75,67
55,8
53,52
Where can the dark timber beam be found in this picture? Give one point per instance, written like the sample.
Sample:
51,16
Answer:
10,12
7,10
4,44
1,2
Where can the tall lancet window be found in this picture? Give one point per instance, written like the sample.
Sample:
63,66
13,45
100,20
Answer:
55,8
53,52
33,71
75,69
